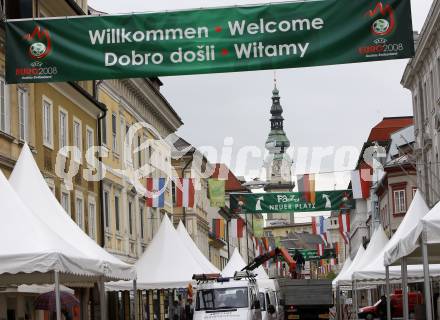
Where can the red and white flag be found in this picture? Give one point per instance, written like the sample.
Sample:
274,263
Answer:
236,228
185,193
344,226
320,249
361,183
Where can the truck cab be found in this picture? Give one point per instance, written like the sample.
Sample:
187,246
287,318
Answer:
270,301
225,298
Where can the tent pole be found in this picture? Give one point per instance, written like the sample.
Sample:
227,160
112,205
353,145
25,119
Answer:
405,289
387,291
427,286
102,302
338,303
354,298
135,298
57,295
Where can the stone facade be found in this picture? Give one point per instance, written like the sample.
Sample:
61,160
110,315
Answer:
422,78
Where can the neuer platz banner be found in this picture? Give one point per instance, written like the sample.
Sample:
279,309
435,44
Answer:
291,202
242,38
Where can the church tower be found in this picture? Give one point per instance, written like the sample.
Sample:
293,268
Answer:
278,164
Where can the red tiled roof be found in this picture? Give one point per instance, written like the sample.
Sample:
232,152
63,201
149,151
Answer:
232,184
383,130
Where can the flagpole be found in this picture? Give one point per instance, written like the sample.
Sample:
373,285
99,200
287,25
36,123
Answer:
227,236
247,237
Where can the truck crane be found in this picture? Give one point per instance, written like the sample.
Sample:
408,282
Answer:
273,254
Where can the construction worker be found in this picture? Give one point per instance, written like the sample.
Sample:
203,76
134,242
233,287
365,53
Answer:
300,261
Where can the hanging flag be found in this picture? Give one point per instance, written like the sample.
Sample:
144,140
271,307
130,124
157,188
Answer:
236,228
218,227
306,185
185,193
361,183
344,225
155,192
216,189
265,243
320,249
318,228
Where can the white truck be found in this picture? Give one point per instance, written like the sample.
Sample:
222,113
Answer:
227,298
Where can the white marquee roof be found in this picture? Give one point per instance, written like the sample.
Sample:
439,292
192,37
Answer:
30,251
206,265
408,245
375,270
166,263
30,185
344,278
236,263
344,269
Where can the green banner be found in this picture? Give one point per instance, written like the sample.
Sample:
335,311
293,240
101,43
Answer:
290,202
216,192
312,254
270,36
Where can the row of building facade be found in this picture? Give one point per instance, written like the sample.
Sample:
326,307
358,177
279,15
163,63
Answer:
52,116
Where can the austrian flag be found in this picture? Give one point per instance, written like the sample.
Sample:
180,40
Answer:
237,226
155,192
361,183
344,226
185,193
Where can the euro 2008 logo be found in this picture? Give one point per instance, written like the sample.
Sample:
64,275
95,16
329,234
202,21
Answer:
40,43
384,22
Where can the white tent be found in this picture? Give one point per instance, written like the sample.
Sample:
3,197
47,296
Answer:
363,257
31,253
166,263
375,270
377,242
341,273
408,244
236,263
30,185
344,279
206,265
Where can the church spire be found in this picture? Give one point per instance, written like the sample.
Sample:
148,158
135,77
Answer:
277,141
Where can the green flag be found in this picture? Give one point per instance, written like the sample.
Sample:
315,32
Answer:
216,192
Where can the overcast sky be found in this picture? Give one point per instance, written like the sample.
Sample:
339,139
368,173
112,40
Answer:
323,106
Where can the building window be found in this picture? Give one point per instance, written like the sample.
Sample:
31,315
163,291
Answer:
139,153
104,130
117,213
173,192
399,201
79,212
92,219
65,201
47,123
64,132
141,214
4,107
130,218
106,209
23,114
114,136
89,138
77,138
